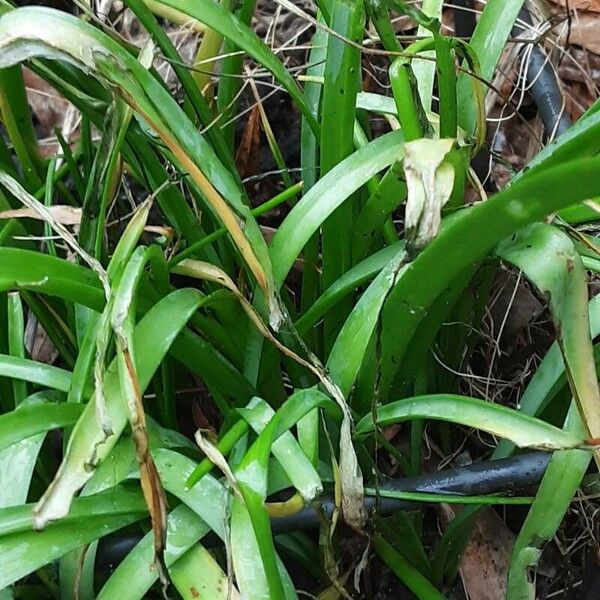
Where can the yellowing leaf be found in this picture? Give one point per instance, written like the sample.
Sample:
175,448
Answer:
65,215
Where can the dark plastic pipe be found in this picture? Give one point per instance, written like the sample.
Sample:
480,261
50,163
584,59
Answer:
544,87
507,476
540,77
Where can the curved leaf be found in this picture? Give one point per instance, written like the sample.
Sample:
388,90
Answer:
89,444
39,32
326,195
447,256
17,461
504,422
133,577
24,549
347,283
351,344
549,259
36,372
29,420
205,508
25,269
488,42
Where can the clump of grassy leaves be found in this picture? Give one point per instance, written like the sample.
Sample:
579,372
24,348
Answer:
303,372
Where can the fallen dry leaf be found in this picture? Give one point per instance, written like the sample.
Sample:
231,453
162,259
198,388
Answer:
585,29
68,215
484,565
247,154
592,5
37,342
47,105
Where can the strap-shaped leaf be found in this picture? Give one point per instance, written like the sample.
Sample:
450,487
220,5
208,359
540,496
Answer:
88,444
39,32
498,420
548,258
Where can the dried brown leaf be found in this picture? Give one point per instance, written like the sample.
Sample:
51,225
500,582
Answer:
247,155
65,215
154,493
592,5
484,565
585,29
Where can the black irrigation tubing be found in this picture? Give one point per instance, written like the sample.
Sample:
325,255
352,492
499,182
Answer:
540,77
541,80
506,476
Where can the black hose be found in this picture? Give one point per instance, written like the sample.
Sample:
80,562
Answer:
540,77
509,475
541,81
464,18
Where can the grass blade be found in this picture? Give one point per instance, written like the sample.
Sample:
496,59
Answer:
326,195
504,422
31,419
342,77
88,443
487,42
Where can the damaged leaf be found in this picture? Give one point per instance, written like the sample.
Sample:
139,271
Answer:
122,320
430,179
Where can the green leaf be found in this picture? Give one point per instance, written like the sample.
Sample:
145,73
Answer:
447,256
342,81
18,459
285,448
35,372
16,340
198,575
205,508
424,70
89,444
548,258
498,420
25,550
326,195
488,42
133,577
253,552
32,419
555,494
417,584
351,344
348,282
539,391
25,269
